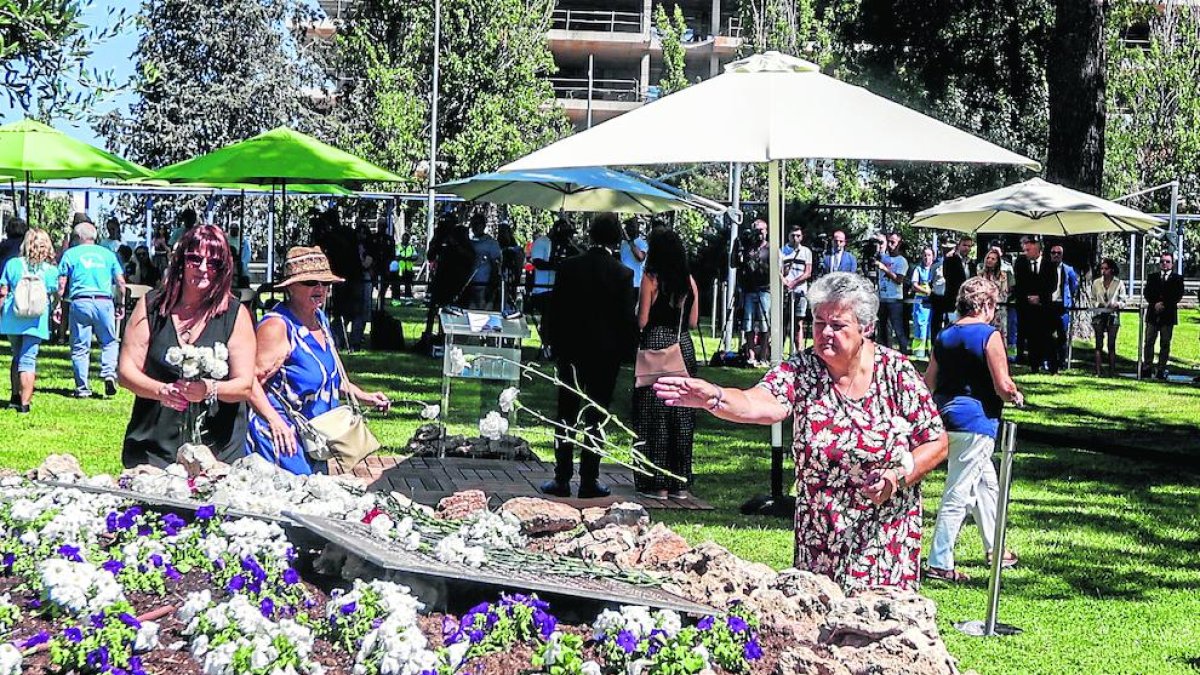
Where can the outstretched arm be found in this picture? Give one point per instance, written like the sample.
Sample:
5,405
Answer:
746,406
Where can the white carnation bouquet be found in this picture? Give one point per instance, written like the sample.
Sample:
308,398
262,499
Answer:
198,363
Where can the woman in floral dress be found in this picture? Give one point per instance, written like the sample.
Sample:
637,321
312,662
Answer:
866,432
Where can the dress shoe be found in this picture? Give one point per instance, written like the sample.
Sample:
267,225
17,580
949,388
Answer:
22,409
556,489
593,490
110,387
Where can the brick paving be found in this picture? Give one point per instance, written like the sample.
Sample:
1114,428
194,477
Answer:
427,480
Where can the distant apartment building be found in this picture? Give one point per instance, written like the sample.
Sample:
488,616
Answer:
619,40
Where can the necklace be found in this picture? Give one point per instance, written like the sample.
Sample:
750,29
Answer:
855,372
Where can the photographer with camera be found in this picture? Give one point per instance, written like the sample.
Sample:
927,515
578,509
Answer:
752,258
796,269
893,269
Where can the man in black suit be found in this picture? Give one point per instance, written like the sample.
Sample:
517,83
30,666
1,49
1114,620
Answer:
956,268
593,329
1035,280
1163,291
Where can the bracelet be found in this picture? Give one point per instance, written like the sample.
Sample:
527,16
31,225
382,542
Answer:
211,397
720,398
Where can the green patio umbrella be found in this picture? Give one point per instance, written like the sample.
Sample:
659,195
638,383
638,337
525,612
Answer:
280,157
30,150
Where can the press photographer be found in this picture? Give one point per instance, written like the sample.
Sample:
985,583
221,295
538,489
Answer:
752,259
893,270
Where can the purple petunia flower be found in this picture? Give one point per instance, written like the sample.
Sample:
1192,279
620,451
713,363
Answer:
450,630
97,659
33,603
172,524
70,553
291,576
377,623
128,519
706,623
545,623
349,608
476,636
135,666
9,559
41,637
267,607
752,650
171,573
74,634
156,560
737,624
206,512
129,620
145,530
627,641
256,571
110,521
236,584
113,567
97,619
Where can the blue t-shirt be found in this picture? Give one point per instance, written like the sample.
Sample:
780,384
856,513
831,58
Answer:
631,262
964,392
90,270
487,256
10,323
888,289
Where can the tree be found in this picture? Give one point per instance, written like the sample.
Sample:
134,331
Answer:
495,103
788,26
670,35
43,50
208,74
1075,75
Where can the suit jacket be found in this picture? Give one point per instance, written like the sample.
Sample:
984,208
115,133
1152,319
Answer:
591,312
1169,292
849,263
955,273
1027,283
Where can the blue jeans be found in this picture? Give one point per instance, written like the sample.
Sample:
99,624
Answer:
892,329
88,316
25,352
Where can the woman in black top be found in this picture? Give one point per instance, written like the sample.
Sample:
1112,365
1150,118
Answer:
193,307
666,311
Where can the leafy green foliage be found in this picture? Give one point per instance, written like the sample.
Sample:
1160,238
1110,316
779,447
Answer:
670,34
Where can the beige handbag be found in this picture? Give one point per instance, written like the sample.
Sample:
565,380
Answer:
652,364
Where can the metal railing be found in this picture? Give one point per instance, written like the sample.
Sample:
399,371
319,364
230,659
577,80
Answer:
602,89
593,20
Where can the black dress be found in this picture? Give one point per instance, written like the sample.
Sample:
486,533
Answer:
666,430
155,431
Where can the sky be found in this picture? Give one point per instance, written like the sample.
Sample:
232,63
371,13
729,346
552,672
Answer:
115,54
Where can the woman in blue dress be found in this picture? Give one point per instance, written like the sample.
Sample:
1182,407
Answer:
921,280
297,361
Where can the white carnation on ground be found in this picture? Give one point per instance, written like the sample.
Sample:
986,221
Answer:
493,426
431,412
458,360
508,399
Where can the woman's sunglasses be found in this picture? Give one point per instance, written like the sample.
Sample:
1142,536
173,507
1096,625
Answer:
195,260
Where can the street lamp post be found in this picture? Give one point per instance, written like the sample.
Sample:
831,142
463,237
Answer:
433,122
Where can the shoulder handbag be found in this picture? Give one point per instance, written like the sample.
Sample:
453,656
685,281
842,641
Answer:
340,434
652,364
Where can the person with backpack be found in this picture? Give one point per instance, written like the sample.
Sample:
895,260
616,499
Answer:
25,293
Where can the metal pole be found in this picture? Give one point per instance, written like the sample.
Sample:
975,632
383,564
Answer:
1141,336
715,292
591,82
991,627
775,242
1177,227
271,239
150,222
735,199
433,122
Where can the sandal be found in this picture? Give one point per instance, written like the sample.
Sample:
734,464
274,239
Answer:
1007,562
952,576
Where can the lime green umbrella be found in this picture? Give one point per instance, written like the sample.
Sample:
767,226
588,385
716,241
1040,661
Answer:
30,150
280,157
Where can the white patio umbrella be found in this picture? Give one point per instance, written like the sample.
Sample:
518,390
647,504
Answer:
1035,207
767,108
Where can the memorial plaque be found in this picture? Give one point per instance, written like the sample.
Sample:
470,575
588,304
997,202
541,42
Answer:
356,538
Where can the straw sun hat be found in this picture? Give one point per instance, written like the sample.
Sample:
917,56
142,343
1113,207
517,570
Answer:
306,263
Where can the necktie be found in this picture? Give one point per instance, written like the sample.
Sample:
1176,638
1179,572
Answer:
1035,264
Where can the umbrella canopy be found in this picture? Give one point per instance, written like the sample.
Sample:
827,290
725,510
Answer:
583,189
299,188
1035,207
30,150
281,156
766,107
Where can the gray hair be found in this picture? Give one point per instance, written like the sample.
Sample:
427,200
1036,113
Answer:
85,231
846,289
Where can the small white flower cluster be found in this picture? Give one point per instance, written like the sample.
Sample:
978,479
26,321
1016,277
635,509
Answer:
454,549
10,659
508,399
480,532
396,647
147,637
405,532
172,482
218,632
493,426
393,599
248,537
554,652
78,587
196,362
79,516
638,620
255,484
138,551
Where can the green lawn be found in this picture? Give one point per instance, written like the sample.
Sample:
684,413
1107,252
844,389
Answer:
1109,546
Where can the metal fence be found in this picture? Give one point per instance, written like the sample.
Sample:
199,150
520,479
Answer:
610,22
628,90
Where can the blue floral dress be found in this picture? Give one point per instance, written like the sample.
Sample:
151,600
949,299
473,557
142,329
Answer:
310,380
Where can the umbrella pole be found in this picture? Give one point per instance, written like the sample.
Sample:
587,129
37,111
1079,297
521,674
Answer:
28,203
271,238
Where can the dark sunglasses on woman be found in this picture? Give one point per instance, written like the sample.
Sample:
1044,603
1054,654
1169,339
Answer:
195,259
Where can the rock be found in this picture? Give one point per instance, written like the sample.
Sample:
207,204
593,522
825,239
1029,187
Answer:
784,614
909,653
616,545
461,504
542,516
623,514
57,467
871,615
802,660
198,459
661,545
815,592
9,473
711,575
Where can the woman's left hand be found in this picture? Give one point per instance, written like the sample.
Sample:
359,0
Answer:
377,399
881,489
195,391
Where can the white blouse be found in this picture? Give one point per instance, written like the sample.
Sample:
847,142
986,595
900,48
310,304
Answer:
1105,300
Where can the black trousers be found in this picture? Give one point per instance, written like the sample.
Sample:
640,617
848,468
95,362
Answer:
940,309
893,329
595,376
1034,327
